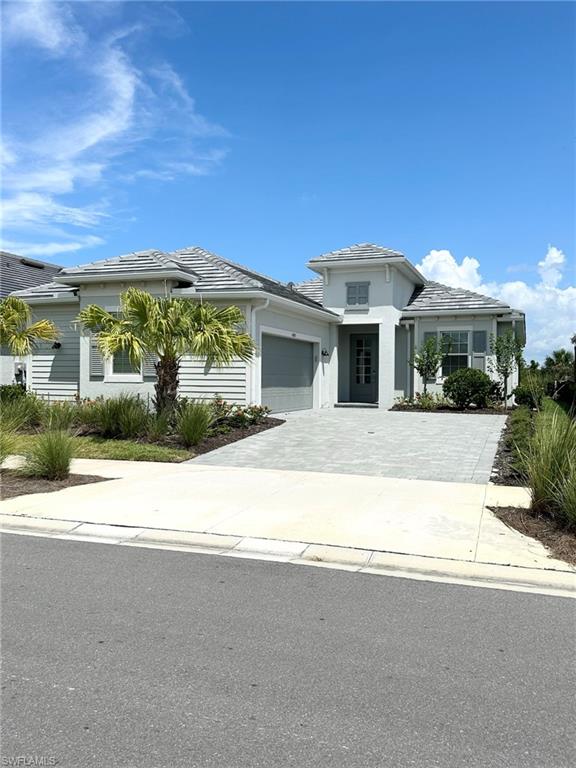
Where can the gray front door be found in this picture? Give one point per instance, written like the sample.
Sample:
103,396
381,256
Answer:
364,367
287,373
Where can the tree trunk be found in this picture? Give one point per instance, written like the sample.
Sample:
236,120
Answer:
166,387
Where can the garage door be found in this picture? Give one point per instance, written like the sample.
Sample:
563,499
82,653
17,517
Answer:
287,374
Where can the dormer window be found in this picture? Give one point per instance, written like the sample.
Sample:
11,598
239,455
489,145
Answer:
357,294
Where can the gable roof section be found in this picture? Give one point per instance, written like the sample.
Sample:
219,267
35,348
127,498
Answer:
358,251
18,273
148,263
313,289
435,297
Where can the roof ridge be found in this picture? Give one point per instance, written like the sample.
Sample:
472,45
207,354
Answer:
381,249
220,261
465,290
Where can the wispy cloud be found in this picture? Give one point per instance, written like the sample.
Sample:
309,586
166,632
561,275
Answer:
111,104
550,308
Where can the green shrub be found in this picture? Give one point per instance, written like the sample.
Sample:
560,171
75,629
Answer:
60,415
7,443
50,456
23,412
468,386
10,392
194,420
548,464
158,426
125,416
529,393
233,415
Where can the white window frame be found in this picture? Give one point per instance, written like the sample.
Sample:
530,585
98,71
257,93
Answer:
460,329
352,283
121,378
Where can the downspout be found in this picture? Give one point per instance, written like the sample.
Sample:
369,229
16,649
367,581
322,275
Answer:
255,370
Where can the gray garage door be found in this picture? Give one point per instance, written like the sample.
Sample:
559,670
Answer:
287,373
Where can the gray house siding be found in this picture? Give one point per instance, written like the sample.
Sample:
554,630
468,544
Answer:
55,373
200,382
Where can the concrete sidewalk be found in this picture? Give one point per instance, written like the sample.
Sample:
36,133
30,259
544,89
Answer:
224,506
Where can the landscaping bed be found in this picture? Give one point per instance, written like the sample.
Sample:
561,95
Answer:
448,409
13,483
212,442
560,542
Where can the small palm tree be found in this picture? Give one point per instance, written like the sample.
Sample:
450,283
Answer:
559,364
18,332
168,328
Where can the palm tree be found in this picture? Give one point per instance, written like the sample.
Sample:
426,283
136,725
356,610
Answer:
559,364
18,332
168,328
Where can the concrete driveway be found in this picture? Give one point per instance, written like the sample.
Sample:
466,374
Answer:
450,447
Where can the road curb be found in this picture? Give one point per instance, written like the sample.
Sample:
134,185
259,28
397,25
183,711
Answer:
561,583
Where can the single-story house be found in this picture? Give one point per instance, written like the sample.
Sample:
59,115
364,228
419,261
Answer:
18,273
344,337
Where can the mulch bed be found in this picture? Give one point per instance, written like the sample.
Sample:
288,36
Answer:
14,483
503,471
450,409
560,542
238,433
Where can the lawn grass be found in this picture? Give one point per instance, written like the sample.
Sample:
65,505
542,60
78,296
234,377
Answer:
93,447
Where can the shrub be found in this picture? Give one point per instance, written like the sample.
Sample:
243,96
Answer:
7,442
529,394
125,416
194,420
246,416
467,386
158,426
23,412
50,456
10,392
548,464
60,416
520,426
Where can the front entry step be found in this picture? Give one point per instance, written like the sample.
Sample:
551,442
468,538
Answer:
355,405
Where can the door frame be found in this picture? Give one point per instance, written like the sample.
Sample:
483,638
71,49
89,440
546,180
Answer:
352,364
316,342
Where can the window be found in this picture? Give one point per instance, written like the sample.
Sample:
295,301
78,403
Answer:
357,294
121,364
456,356
363,361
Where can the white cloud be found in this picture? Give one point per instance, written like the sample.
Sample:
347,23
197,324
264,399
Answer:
51,249
110,106
550,310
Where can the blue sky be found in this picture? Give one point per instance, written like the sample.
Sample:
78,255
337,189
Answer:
271,132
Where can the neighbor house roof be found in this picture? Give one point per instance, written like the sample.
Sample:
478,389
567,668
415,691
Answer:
435,297
18,272
359,251
195,268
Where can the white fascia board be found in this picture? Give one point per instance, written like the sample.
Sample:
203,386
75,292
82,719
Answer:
454,312
123,277
295,306
53,299
401,261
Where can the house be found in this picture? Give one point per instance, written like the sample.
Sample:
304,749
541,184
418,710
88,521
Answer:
344,337
18,273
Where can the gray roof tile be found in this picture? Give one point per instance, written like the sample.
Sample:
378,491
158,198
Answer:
442,298
313,289
358,251
18,273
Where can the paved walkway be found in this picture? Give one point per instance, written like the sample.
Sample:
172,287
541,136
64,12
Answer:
451,447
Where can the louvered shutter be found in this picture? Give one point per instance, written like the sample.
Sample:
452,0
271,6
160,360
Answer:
148,370
96,360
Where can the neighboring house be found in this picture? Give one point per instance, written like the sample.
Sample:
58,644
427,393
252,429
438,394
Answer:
18,273
344,337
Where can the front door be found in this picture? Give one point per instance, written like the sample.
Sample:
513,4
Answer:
363,367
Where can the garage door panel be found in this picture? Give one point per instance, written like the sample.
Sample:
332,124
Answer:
287,373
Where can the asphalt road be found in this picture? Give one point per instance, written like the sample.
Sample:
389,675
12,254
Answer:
146,658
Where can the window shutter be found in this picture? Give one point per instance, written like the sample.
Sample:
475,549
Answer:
148,370
479,344
96,360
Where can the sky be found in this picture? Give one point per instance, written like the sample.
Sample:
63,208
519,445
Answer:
270,133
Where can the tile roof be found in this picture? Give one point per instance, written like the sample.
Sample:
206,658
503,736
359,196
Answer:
208,273
18,273
358,251
47,290
313,289
435,297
